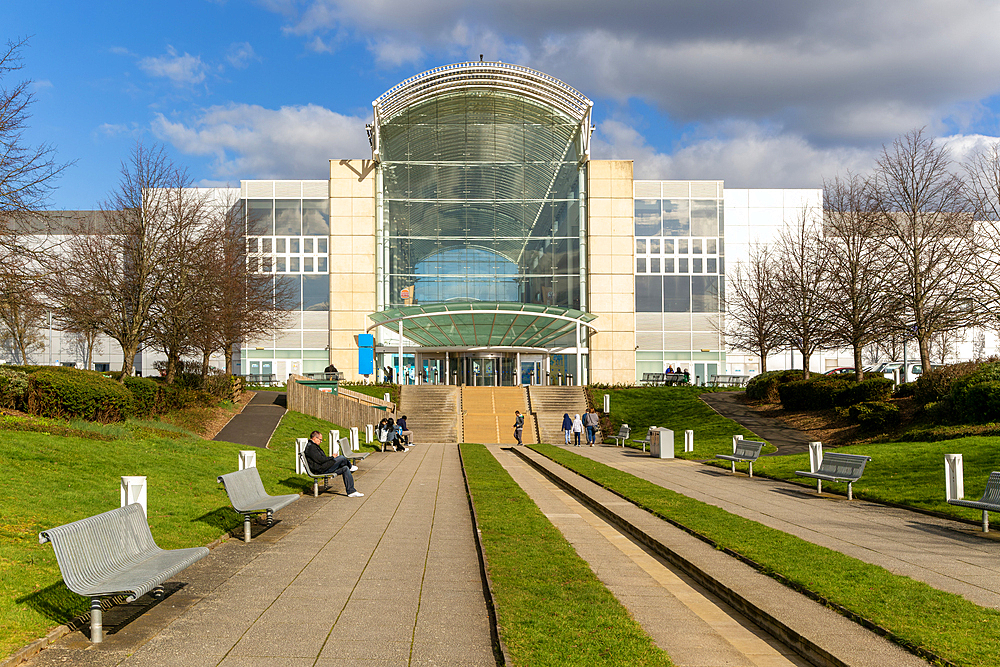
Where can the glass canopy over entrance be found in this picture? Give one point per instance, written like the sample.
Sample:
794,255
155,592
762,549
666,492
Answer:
485,344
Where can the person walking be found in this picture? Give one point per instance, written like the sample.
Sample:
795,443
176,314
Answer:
591,421
577,430
518,426
567,426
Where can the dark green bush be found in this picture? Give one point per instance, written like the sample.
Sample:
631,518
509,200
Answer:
976,397
869,389
813,394
176,397
764,387
71,393
935,384
905,390
147,396
13,388
875,416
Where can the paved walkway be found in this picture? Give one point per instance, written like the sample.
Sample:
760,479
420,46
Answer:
695,628
729,404
947,555
388,579
255,424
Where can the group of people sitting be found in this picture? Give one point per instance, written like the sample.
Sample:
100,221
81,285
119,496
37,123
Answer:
394,434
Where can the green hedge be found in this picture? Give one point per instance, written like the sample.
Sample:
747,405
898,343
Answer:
827,391
875,416
934,384
764,387
13,388
976,397
69,393
147,396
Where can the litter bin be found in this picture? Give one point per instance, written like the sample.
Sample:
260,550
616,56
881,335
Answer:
661,443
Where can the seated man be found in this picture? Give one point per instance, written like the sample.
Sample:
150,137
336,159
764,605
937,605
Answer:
404,432
338,465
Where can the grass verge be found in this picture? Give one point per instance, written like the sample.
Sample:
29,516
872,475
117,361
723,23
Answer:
945,624
54,472
551,607
676,408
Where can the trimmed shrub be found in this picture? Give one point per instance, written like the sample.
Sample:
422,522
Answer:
935,384
13,388
905,390
976,397
813,394
875,416
146,394
70,393
176,397
869,389
764,387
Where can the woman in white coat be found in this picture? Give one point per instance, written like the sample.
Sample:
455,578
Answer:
577,430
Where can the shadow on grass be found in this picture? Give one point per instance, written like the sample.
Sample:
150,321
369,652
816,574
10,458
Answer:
296,484
56,603
223,519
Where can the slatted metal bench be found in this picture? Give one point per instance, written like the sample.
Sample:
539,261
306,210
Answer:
113,553
247,494
649,434
623,434
746,450
316,476
989,502
837,467
344,444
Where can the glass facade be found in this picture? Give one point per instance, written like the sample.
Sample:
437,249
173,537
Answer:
482,200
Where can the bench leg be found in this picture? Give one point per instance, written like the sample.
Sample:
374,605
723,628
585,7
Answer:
850,493
986,521
315,488
270,518
751,468
246,527
819,486
96,621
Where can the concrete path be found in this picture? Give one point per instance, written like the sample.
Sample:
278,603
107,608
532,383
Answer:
947,555
389,579
255,425
787,439
695,628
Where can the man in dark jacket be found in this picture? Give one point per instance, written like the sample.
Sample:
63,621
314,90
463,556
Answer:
338,465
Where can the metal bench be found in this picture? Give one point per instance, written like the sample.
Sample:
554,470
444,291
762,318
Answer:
316,476
645,442
344,445
623,434
989,502
247,494
673,378
837,467
113,553
746,450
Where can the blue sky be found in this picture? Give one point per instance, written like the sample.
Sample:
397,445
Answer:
762,94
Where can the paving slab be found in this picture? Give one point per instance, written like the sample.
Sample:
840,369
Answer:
388,579
949,555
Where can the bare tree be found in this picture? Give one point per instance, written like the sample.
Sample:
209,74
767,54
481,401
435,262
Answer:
944,345
860,308
22,314
189,274
27,173
803,284
983,191
752,303
240,302
118,265
925,221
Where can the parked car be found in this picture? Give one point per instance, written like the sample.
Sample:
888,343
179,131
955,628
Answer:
843,370
888,369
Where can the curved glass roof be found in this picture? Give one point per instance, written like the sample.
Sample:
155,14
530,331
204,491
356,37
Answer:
515,79
482,324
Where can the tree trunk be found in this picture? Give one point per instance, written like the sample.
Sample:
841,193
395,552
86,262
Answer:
205,354
925,353
859,374
227,351
171,373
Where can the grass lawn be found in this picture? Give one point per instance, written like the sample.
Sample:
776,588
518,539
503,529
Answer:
551,607
676,408
55,472
905,473
376,390
945,624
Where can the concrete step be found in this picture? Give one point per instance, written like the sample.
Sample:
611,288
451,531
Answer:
432,412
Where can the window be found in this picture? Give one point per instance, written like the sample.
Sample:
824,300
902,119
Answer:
705,294
676,217
711,265
287,217
704,217
640,265
682,246
315,217
654,246
696,265
648,294
647,217
316,292
676,294
640,246
654,265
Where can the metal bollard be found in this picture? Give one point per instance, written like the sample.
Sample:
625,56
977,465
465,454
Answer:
334,438
736,439
355,445
369,433
815,456
954,477
689,440
300,446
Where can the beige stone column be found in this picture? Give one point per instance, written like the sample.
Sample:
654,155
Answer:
612,277
352,258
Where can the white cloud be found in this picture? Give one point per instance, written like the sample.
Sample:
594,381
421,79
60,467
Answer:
250,141
182,70
240,54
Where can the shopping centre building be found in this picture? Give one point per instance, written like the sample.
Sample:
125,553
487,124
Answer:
482,244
